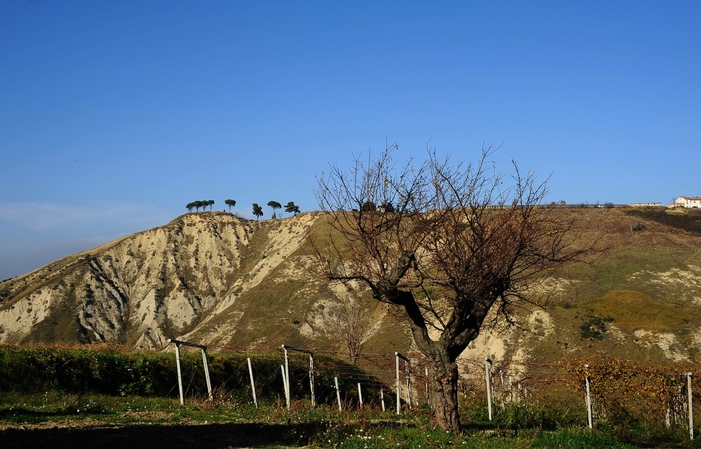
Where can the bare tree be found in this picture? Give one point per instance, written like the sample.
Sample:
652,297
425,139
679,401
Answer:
350,321
459,243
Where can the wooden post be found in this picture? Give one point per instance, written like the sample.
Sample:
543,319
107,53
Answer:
511,389
408,382
382,399
590,420
287,377
488,379
428,398
253,384
311,378
399,386
180,373
338,393
691,406
360,396
501,396
205,363
311,373
284,384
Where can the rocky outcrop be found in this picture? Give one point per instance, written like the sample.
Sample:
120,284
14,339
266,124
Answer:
146,288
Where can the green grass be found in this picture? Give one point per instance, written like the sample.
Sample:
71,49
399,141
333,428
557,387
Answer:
632,310
323,427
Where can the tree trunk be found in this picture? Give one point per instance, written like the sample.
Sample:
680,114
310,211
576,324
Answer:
444,396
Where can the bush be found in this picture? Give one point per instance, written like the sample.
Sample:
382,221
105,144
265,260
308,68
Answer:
116,372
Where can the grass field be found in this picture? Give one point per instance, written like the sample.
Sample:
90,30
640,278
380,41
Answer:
89,397
68,420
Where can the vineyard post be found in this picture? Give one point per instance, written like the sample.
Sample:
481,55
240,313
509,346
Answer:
501,395
311,372
286,374
399,405
408,381
511,389
590,420
311,378
338,393
180,375
253,384
691,406
284,385
488,379
205,363
399,385
360,396
428,398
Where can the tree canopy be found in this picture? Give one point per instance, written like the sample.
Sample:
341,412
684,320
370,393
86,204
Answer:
197,204
291,208
257,210
459,244
231,203
274,205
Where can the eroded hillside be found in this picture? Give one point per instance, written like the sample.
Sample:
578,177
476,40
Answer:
148,287
220,280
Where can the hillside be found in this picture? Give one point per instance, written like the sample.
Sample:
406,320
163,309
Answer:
209,277
227,282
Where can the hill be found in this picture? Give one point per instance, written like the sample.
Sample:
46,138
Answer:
233,283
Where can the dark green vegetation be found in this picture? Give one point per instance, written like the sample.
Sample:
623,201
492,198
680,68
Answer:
108,398
257,210
79,396
292,208
203,204
110,371
274,205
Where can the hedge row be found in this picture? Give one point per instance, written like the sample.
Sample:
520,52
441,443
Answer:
113,371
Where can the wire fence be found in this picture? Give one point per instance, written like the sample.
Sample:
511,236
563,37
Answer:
609,391
621,393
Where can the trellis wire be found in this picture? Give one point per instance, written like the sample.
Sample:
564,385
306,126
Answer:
508,381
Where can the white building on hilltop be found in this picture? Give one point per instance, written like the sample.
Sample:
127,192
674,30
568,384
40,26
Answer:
688,201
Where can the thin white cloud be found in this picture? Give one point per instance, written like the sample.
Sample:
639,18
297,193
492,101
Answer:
18,257
48,217
34,234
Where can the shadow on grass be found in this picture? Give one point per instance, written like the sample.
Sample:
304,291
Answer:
689,221
156,436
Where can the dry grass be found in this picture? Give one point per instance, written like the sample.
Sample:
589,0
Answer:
632,311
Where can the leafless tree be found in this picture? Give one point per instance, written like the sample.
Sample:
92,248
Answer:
350,321
461,241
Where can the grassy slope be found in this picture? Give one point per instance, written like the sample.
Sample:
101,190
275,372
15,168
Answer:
644,280
641,280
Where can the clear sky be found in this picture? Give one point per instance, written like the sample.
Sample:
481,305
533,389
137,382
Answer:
116,114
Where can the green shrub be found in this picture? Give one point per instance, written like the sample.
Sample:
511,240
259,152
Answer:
114,372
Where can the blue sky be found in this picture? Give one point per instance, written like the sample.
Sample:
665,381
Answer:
116,114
